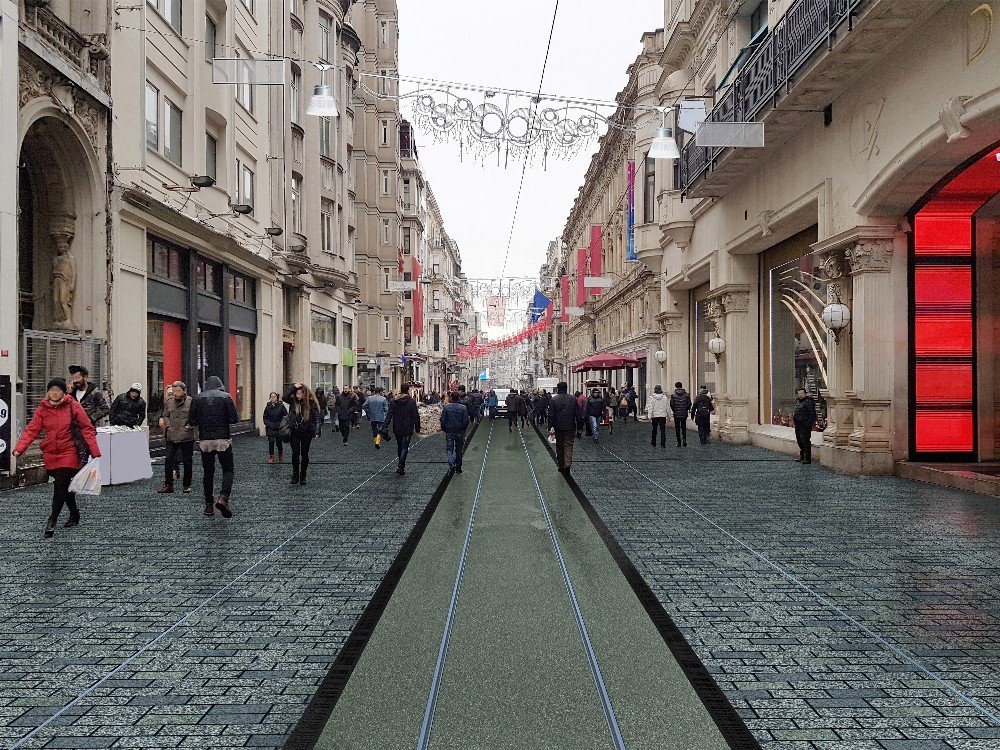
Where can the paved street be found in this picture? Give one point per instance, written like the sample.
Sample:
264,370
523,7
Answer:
834,612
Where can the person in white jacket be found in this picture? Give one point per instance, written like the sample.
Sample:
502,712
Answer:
658,408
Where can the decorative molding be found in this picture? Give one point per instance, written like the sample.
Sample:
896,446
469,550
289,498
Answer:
950,116
670,322
764,221
870,255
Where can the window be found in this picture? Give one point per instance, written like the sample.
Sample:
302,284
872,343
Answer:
407,330
758,18
326,226
245,186
386,181
385,279
407,246
166,260
340,223
325,141
171,131
406,195
211,156
384,132
209,277
324,328
325,377
241,380
383,82
298,149
348,339
385,231
386,325
290,308
152,116
436,301
329,180
325,36
242,289
407,276
211,39
170,10
296,97
244,89
437,337
296,199
383,33
649,192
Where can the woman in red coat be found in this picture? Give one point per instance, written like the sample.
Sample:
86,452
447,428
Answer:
55,417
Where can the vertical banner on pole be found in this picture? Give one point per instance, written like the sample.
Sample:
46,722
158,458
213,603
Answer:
630,227
581,275
6,417
565,299
596,254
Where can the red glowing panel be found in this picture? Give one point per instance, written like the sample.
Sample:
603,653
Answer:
950,285
944,382
171,352
943,335
942,234
944,431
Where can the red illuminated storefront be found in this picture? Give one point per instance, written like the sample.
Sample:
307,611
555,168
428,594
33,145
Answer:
946,248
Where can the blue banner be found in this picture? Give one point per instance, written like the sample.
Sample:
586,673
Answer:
538,306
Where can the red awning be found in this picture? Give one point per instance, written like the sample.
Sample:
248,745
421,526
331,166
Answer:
606,362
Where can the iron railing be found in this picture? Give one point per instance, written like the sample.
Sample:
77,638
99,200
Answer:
807,27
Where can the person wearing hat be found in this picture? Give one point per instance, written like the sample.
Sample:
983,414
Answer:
129,409
179,435
69,436
87,394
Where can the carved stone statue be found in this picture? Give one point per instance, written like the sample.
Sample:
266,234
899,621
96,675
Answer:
63,282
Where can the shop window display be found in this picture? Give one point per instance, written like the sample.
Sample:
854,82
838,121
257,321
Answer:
241,374
798,339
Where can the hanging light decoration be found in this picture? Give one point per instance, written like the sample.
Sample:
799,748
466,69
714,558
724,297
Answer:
323,103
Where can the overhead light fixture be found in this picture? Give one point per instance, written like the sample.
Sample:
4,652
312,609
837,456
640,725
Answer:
297,248
664,146
274,231
242,208
202,181
322,103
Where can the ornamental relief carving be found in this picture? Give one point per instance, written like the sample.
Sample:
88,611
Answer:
871,255
35,82
737,301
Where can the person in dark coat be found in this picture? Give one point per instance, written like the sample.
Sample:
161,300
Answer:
680,405
211,414
404,415
633,403
523,407
303,419
513,403
129,409
179,436
455,420
90,398
62,419
563,419
804,418
361,397
595,406
324,402
477,405
346,406
701,412
622,404
274,412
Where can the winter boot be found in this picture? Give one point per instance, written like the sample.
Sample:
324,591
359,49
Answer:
50,528
223,505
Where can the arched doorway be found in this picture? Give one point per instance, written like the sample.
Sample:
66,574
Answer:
954,307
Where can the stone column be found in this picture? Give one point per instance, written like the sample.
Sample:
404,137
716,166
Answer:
839,367
729,308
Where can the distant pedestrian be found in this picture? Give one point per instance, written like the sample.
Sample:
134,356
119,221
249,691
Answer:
563,419
377,407
658,409
623,406
346,407
303,420
69,436
274,412
512,402
804,418
680,405
455,420
212,411
87,394
404,415
323,401
522,408
581,414
179,436
477,405
492,404
359,394
633,403
596,406
701,411
129,409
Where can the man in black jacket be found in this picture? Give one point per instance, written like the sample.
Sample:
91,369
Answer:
454,422
129,409
212,411
347,406
680,405
405,418
804,417
90,398
563,415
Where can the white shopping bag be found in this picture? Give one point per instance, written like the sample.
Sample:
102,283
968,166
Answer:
88,480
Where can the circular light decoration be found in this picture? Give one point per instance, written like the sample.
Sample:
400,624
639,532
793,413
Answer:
717,346
661,356
836,317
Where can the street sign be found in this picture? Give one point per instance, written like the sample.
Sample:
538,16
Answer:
402,286
6,400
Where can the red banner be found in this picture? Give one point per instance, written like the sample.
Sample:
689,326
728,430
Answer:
596,254
581,273
565,299
474,351
418,299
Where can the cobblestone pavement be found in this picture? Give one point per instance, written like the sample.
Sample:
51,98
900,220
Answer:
836,612
236,672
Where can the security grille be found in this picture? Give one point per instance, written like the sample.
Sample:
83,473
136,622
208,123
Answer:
48,354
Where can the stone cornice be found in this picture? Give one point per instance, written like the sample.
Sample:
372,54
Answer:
729,298
863,249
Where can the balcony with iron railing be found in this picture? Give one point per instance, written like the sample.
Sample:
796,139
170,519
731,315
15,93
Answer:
88,55
815,52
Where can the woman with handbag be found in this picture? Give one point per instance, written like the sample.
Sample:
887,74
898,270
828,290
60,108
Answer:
69,438
303,417
274,412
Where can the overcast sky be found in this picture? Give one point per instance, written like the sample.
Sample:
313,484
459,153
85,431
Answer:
503,44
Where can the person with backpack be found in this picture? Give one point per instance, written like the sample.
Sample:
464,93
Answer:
804,418
680,405
69,437
275,412
455,421
211,414
658,409
303,421
701,412
623,406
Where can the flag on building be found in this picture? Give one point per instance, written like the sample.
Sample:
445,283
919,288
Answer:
538,306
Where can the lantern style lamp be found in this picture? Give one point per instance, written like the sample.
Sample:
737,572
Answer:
836,317
661,356
717,346
322,103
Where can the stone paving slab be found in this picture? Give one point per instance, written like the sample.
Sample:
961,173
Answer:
915,565
238,672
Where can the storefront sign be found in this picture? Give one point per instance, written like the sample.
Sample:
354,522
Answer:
402,286
6,400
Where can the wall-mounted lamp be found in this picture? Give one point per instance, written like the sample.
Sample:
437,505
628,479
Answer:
274,231
836,317
242,208
717,346
660,356
202,181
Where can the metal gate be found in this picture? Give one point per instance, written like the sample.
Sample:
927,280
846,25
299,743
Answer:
48,354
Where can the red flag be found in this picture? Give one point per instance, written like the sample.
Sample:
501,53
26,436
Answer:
596,254
399,260
418,299
565,299
581,274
